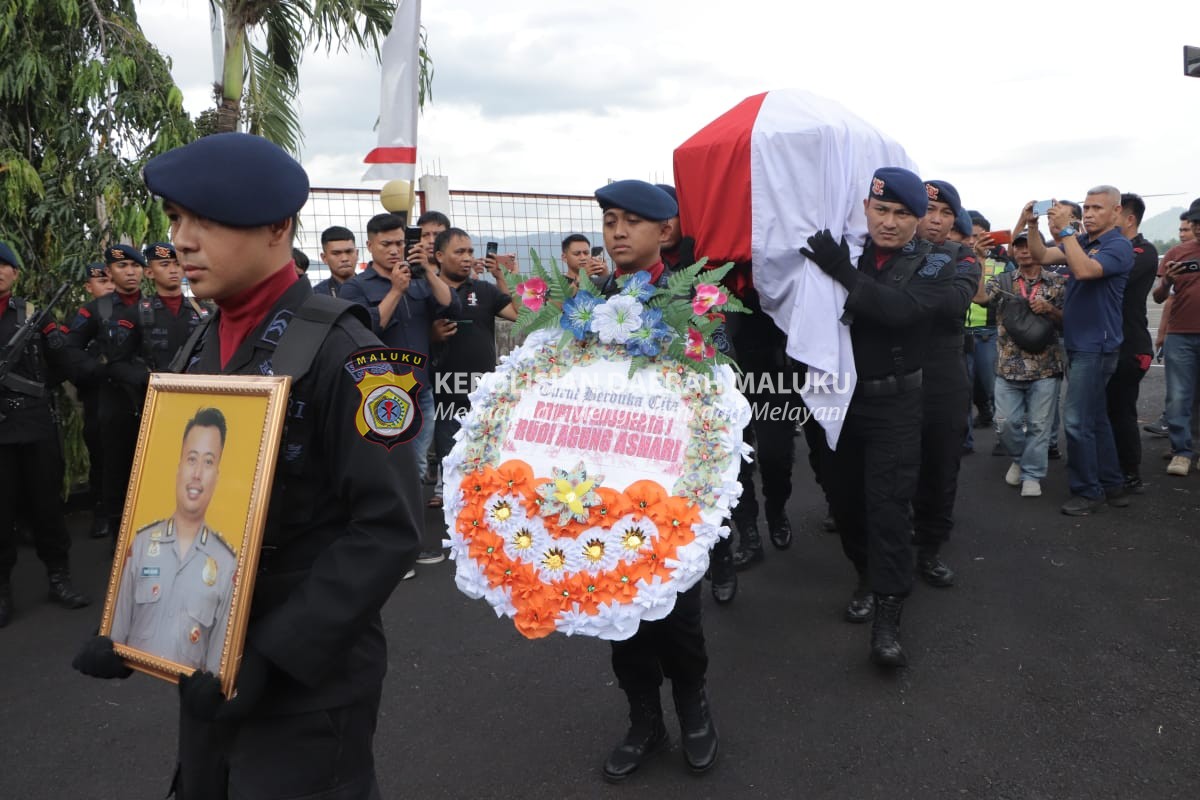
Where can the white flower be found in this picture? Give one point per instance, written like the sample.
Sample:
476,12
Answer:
656,598
599,550
633,535
526,541
470,579
615,621
457,544
574,621
615,319
504,513
558,559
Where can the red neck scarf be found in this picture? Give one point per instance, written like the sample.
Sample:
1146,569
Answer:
173,302
129,299
4,298
242,313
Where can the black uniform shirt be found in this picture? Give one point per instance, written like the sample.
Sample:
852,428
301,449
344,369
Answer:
26,418
1135,326
342,524
472,349
101,345
163,331
890,328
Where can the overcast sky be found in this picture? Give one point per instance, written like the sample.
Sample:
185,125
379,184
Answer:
1008,101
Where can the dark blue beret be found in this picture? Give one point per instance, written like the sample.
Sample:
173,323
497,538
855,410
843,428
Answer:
158,250
963,223
638,197
236,179
120,252
898,185
946,193
7,256
95,269
669,189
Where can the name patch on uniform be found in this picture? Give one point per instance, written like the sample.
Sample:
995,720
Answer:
150,572
388,413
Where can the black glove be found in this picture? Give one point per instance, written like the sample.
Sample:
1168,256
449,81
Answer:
200,692
831,256
97,658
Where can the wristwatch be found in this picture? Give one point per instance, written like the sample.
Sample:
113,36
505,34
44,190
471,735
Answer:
1067,231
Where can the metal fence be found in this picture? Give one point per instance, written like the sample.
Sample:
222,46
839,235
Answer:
517,221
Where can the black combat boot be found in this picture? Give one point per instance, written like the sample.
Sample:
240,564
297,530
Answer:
829,524
6,602
933,570
749,549
861,607
646,736
885,633
779,528
99,525
724,576
696,727
63,592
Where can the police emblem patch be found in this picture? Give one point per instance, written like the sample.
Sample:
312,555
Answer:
388,413
932,191
877,187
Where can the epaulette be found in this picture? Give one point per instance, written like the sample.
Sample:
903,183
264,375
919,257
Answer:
216,535
149,526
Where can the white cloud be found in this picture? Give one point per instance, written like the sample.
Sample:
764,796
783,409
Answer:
1006,102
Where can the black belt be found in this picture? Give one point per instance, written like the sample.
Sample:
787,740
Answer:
891,385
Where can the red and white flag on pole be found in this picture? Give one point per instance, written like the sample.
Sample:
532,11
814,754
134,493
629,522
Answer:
396,155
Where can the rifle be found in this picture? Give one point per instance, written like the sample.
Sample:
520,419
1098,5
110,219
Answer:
12,350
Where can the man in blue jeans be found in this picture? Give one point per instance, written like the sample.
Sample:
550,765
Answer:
1026,382
1098,261
1181,281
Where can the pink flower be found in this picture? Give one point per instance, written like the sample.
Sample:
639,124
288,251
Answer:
696,349
707,296
533,293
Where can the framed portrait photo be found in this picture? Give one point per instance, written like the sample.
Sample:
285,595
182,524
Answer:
179,594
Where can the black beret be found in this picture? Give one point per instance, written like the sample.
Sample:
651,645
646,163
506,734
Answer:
898,185
236,179
638,197
8,256
120,252
157,250
95,270
946,193
963,223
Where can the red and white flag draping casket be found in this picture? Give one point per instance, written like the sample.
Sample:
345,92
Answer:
760,179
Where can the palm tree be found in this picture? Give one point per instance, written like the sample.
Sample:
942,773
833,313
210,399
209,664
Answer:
259,84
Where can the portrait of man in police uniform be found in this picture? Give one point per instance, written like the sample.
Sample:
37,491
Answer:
178,578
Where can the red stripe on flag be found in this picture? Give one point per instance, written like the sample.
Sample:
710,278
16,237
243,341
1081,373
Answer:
712,178
392,155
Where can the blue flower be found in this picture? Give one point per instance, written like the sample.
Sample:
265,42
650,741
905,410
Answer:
638,286
651,337
578,313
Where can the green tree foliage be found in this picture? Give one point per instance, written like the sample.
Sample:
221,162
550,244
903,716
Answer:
85,100
264,41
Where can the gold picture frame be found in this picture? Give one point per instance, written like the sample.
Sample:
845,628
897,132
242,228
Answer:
183,574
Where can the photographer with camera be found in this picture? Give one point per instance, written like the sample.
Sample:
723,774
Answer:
1099,260
403,298
1181,349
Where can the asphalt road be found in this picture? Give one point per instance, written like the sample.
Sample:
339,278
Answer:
1064,665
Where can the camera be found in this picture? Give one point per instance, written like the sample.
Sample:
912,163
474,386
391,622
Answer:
1189,266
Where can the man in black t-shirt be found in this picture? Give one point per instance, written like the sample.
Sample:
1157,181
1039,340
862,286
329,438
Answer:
1137,349
464,347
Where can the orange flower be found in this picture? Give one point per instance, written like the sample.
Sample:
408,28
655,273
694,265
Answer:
674,515
486,547
516,476
534,624
643,494
613,505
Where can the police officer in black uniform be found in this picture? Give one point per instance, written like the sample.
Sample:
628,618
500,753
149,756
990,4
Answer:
636,214
872,474
946,392
166,318
31,460
97,284
342,525
101,354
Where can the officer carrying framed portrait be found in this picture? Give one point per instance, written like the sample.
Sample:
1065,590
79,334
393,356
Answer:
179,592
